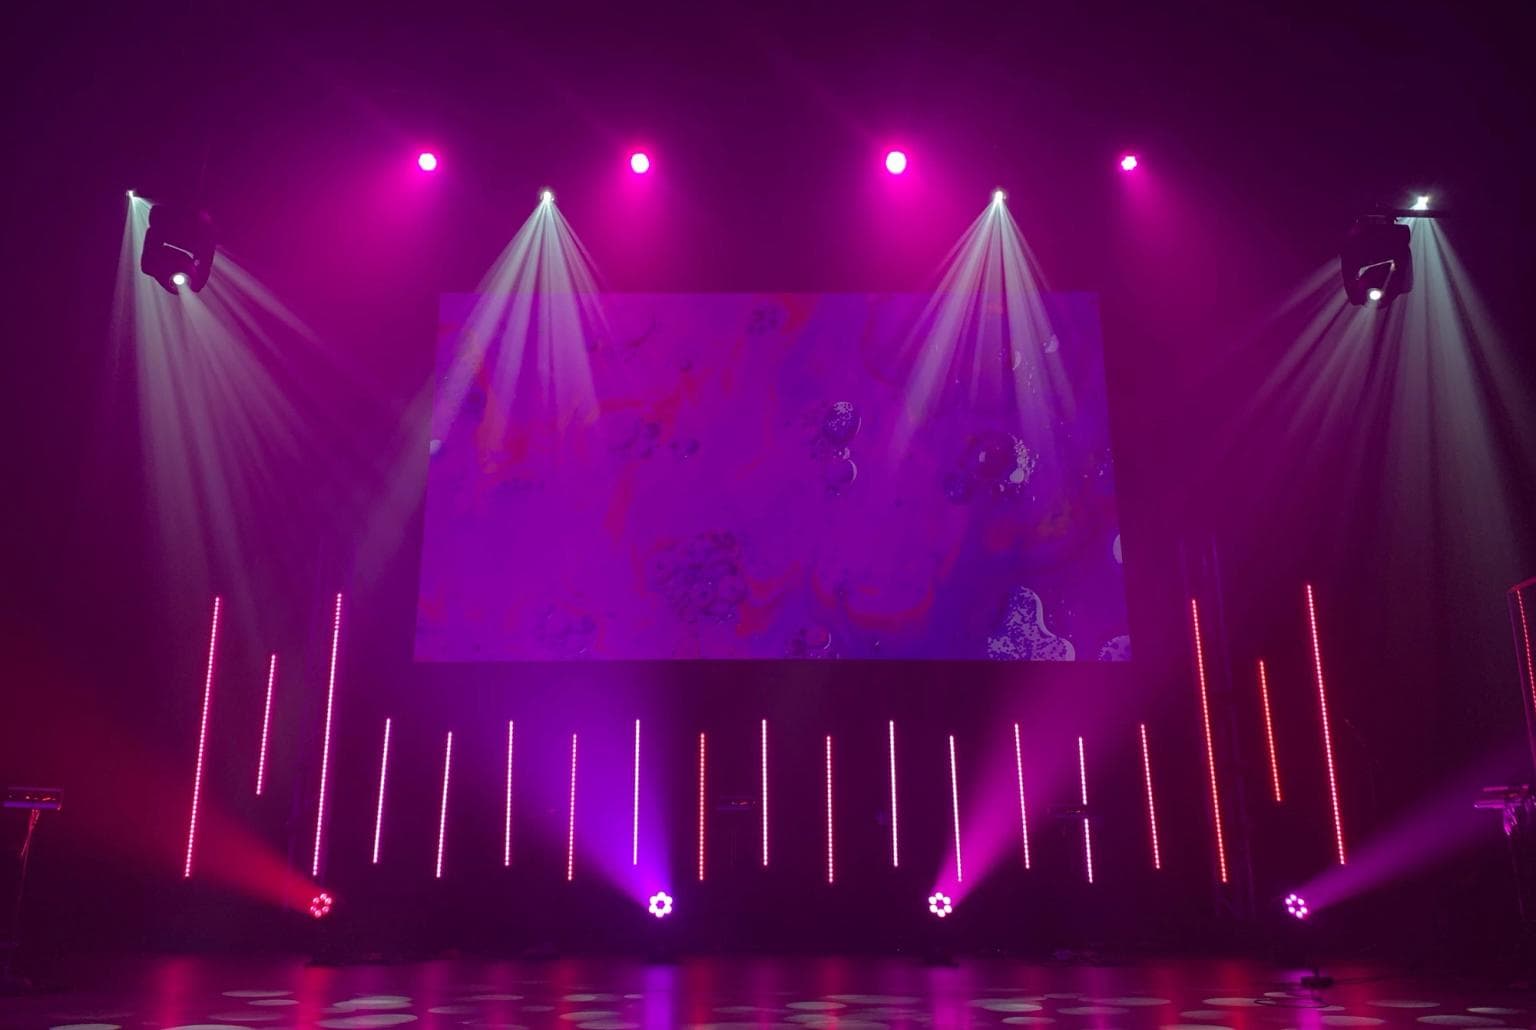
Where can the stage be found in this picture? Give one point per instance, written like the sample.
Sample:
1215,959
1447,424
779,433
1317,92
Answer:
844,992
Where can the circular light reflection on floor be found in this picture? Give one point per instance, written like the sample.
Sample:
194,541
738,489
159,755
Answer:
1006,1005
257,994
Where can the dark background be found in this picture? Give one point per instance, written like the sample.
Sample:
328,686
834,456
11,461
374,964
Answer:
1263,131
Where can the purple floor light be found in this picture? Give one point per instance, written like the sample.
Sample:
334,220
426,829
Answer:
660,905
321,904
1296,906
940,904
426,161
896,162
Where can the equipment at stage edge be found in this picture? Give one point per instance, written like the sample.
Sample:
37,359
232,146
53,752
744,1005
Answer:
34,801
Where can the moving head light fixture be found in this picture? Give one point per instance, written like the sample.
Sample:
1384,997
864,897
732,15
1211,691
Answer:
178,248
1376,259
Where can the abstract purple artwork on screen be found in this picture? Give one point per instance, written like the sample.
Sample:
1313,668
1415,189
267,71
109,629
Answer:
754,482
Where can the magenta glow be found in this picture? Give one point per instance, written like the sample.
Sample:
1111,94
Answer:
426,161
896,162
639,162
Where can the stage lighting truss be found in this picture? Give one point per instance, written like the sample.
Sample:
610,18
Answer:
940,904
178,248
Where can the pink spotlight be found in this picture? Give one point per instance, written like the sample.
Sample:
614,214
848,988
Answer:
890,731
426,161
325,747
639,162
378,812
1018,764
442,810
634,830
954,808
701,808
570,826
1210,745
1269,734
1146,772
763,762
202,738
831,867
1322,708
896,162
321,904
1082,779
506,825
1128,163
266,722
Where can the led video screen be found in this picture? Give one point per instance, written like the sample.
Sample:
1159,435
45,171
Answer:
772,476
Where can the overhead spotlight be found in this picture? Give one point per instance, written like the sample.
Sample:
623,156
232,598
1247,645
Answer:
639,162
427,161
321,904
1296,906
1375,260
660,905
896,162
940,904
998,196
130,194
546,196
1421,202
178,247
1128,163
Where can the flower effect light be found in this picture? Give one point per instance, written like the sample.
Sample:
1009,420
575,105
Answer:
321,904
1128,163
940,904
660,905
1296,906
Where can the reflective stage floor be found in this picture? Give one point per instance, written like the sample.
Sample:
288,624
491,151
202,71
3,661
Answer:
851,993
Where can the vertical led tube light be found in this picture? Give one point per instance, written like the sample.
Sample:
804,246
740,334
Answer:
202,738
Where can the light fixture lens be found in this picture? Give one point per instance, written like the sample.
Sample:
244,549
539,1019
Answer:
660,904
896,162
1421,203
427,161
547,196
179,279
1128,163
998,196
1374,294
321,904
639,163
